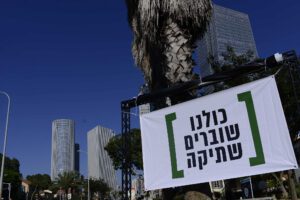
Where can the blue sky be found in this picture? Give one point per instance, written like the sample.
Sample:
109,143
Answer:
72,59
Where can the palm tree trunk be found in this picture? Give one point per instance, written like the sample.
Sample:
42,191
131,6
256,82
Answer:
279,180
178,55
292,185
164,34
33,192
158,78
179,69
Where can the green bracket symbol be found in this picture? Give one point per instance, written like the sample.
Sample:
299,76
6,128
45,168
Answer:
175,173
260,158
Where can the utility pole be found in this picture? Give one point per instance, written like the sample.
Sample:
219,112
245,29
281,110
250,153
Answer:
292,185
4,143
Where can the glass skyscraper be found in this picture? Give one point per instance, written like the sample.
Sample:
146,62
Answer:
100,165
227,28
77,157
62,158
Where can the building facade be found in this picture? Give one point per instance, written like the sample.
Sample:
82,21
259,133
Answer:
137,188
227,28
63,156
77,158
100,165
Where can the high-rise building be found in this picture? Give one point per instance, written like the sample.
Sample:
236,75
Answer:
77,158
227,28
100,165
62,158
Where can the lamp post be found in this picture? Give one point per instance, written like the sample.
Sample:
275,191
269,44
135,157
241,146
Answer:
89,194
4,143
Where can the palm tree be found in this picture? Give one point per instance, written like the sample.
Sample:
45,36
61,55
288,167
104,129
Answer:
100,187
68,180
165,34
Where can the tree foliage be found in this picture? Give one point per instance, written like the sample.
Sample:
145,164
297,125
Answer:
115,150
68,180
12,175
99,186
11,163
40,181
288,85
231,61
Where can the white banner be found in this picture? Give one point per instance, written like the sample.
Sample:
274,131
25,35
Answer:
238,132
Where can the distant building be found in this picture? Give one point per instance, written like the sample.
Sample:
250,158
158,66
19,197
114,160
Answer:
137,188
227,28
100,165
77,158
25,185
62,154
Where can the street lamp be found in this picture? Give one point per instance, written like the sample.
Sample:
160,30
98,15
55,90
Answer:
4,143
89,194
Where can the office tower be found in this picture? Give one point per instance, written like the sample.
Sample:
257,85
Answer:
100,165
62,158
227,28
77,158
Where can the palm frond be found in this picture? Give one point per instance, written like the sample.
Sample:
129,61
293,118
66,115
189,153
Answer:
192,13
165,32
140,53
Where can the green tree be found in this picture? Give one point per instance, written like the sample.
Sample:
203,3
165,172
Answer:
15,165
115,151
12,164
100,187
40,181
12,175
290,97
68,180
230,62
